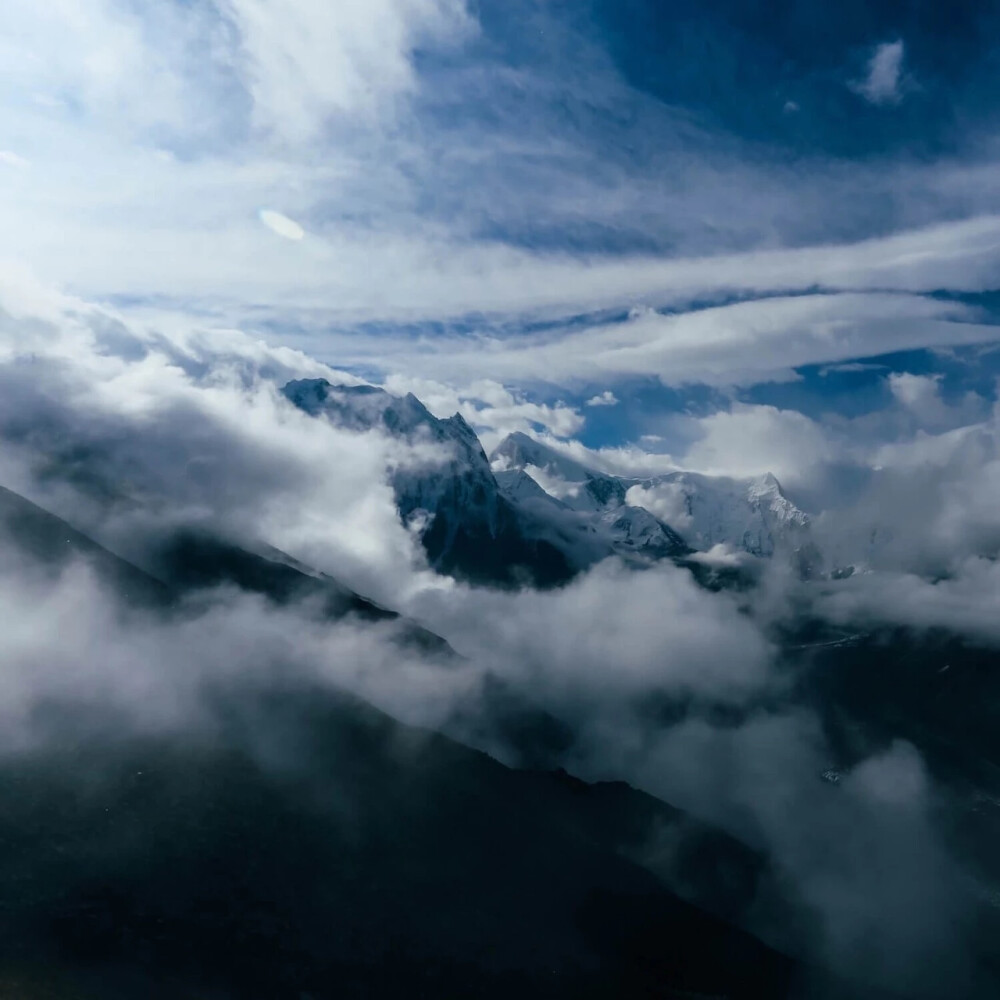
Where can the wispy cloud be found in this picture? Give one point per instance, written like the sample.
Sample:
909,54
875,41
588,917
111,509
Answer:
883,82
10,159
306,61
735,344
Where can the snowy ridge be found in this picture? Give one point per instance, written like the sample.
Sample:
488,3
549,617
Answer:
490,526
531,513
751,515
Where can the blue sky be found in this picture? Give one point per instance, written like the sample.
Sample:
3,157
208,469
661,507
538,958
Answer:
697,209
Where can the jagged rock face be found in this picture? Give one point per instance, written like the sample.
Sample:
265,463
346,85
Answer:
467,525
460,474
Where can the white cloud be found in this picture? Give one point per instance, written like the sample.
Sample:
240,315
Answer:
657,630
281,224
489,406
720,556
186,119
665,500
193,422
305,61
11,159
606,398
851,367
882,85
740,343
751,440
625,460
553,484
921,393
965,603
147,182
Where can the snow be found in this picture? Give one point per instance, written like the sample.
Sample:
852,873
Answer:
748,515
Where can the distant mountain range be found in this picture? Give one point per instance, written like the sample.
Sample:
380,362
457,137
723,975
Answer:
528,513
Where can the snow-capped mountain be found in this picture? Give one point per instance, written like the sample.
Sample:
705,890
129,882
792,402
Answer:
530,513
467,525
456,474
590,534
752,515
486,526
567,480
749,514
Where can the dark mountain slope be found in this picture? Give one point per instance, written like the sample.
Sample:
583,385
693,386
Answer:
48,541
185,561
196,559
313,847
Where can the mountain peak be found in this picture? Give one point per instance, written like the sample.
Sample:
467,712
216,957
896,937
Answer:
308,394
519,450
359,407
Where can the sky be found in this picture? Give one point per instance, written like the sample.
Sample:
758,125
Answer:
692,212
734,239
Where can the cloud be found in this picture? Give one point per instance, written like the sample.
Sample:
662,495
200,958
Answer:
751,440
851,367
306,61
920,393
665,500
436,214
489,407
658,681
623,460
606,398
10,159
659,632
883,83
741,343
219,445
445,242
281,224
719,556
964,603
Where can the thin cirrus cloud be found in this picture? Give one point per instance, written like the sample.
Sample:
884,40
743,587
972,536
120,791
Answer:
733,344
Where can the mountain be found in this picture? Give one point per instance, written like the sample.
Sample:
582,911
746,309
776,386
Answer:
188,560
310,846
43,541
195,559
485,527
752,515
467,526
